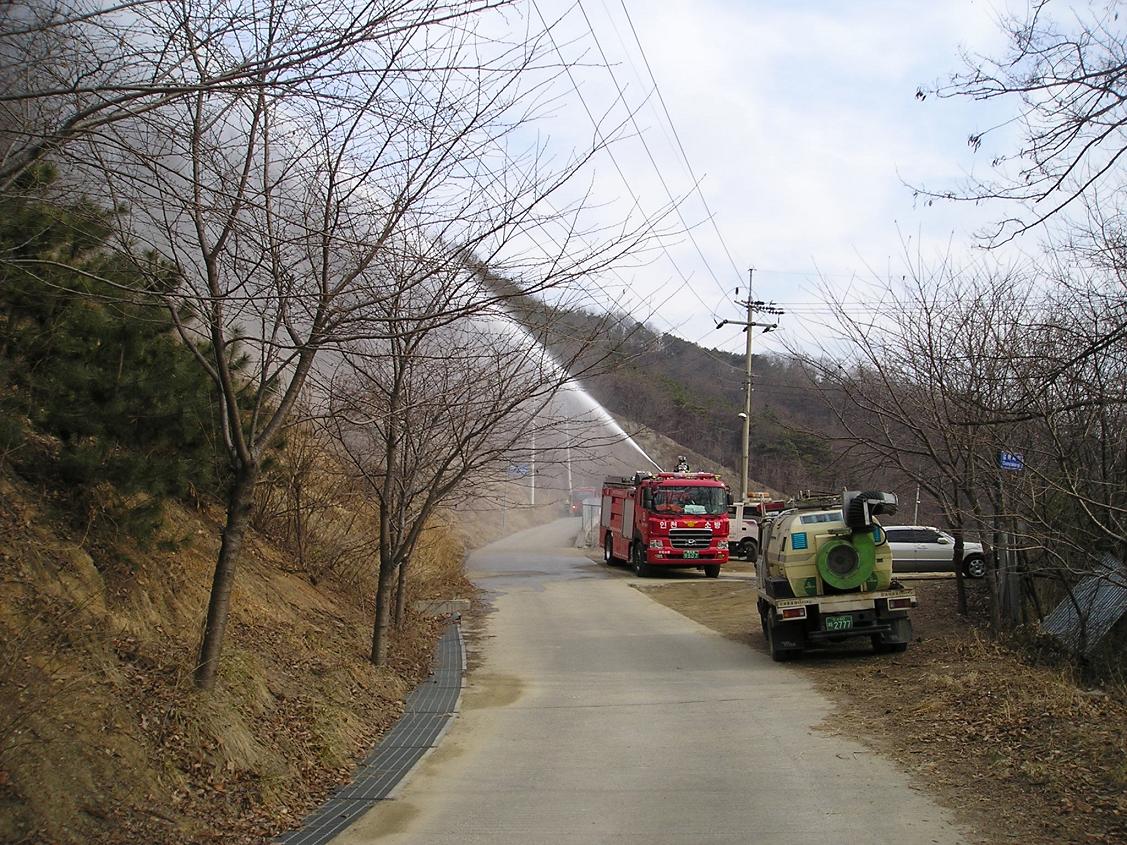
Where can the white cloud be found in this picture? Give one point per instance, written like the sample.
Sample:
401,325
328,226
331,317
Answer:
800,119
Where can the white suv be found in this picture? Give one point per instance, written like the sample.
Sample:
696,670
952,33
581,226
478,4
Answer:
923,548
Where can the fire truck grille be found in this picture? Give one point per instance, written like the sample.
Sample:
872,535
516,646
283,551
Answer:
690,538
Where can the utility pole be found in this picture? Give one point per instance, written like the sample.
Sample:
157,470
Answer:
753,307
745,455
567,440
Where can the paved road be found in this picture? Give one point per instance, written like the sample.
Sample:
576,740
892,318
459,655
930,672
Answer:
595,715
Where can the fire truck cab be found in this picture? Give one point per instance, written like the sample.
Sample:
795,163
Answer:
672,519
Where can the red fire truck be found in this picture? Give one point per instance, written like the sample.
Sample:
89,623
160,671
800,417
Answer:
666,520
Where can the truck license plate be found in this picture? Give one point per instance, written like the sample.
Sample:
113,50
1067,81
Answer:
839,623
692,554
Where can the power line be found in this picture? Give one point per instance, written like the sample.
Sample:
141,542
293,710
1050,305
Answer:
599,134
680,146
626,287
646,147
627,56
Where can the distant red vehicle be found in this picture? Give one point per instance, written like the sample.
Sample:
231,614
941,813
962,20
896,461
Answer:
672,519
578,496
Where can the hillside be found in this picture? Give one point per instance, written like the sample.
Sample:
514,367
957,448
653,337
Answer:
104,739
694,395
114,483
665,452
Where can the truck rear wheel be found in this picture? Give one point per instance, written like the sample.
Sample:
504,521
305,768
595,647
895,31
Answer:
748,550
778,653
896,640
881,647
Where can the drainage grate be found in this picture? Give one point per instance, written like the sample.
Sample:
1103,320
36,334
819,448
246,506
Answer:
333,817
429,709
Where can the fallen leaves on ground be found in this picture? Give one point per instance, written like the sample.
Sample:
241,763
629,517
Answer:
1021,751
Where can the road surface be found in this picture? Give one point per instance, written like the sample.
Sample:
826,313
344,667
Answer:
593,714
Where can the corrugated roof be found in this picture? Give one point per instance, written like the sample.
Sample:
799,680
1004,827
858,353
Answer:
1097,603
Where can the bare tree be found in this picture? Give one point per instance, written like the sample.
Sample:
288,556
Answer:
310,504
279,179
73,68
966,363
912,383
1072,407
1067,79
440,407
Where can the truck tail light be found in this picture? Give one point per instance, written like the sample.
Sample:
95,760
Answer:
794,613
901,603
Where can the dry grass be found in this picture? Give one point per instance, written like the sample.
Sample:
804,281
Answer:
1021,751
105,738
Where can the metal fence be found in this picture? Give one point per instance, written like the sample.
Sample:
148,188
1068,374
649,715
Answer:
589,523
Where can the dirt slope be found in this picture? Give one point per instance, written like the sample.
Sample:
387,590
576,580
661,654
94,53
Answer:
105,740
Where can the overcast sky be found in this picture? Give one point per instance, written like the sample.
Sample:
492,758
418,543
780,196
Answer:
799,119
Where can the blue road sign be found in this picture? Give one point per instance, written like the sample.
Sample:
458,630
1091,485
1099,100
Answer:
1011,460
518,470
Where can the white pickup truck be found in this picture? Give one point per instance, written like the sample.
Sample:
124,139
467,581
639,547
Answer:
744,519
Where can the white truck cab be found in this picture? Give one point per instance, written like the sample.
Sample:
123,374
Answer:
744,519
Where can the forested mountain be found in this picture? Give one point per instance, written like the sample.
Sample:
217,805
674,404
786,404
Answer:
694,395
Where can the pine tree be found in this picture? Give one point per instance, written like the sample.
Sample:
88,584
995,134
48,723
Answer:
89,360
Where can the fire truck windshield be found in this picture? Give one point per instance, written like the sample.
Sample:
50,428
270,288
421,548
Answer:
696,501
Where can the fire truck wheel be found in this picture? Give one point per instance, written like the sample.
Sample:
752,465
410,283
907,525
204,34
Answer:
637,557
608,551
712,570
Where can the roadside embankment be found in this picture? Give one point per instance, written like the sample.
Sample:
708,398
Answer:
104,738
